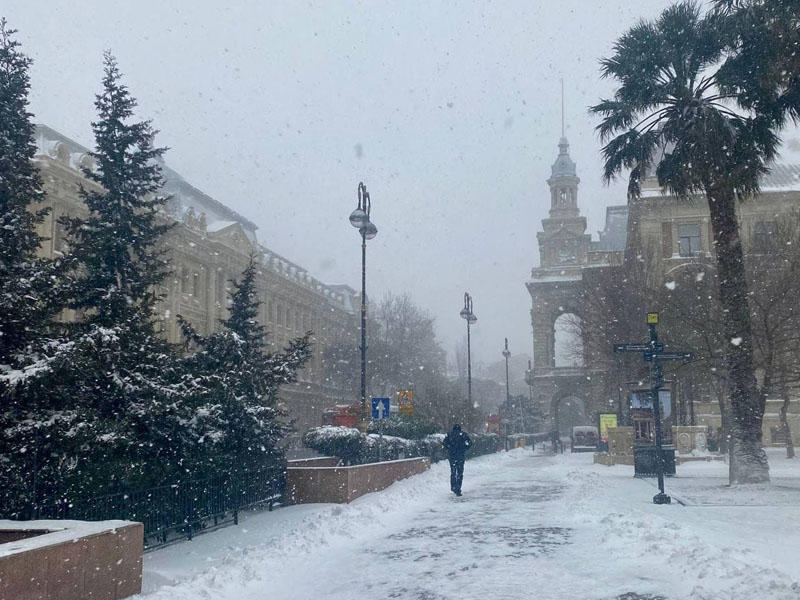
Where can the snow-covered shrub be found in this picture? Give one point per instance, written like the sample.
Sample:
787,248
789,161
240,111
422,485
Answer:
354,448
410,427
346,443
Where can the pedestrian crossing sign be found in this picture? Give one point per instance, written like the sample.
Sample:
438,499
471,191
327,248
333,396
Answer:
405,401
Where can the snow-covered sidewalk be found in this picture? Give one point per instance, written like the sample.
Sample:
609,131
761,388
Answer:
527,526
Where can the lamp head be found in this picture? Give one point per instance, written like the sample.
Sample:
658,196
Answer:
358,218
369,230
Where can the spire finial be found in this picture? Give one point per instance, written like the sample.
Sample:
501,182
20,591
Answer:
562,107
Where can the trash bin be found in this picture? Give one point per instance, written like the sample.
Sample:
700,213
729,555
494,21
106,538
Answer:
645,461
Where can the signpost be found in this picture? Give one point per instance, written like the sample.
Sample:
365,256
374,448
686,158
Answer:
380,411
653,352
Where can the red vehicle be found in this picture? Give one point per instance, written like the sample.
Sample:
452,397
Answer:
345,415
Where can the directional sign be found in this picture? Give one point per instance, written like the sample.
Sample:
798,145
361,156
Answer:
380,409
687,356
658,347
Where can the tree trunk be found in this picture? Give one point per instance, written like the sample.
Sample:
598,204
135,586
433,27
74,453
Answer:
785,429
723,418
749,459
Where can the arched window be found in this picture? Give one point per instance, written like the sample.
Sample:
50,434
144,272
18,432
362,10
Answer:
567,348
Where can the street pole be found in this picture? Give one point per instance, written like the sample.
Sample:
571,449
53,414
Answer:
506,354
359,219
656,380
653,352
469,368
364,413
530,397
469,316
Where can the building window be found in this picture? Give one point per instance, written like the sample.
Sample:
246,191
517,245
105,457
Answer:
184,280
763,233
689,239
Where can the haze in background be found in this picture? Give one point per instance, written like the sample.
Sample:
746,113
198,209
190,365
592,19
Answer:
450,115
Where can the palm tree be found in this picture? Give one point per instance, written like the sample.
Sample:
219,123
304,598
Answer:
763,67
670,115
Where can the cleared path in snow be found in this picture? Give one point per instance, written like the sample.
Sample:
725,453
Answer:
526,527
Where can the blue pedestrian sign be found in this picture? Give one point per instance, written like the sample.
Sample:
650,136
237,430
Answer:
380,409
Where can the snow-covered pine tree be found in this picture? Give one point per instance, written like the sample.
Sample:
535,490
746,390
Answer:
29,288
118,242
237,414
118,380
25,284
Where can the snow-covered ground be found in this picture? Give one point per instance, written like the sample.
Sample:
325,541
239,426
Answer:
527,527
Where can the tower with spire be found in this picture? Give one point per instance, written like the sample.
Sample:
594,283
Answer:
563,240
556,286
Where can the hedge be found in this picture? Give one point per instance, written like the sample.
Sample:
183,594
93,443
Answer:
355,448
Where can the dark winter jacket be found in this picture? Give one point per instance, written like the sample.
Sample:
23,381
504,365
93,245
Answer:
457,442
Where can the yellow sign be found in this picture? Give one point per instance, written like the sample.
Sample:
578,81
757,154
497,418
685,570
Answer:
405,401
652,318
607,420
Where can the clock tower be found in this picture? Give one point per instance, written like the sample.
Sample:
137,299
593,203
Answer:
563,240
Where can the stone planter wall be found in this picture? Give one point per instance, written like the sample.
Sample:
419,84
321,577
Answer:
345,484
70,560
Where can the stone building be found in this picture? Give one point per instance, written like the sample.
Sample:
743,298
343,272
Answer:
675,235
209,247
567,389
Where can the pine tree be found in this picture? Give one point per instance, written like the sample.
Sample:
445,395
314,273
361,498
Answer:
118,243
29,289
238,418
25,284
113,384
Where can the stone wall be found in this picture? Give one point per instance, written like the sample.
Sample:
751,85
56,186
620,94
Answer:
345,484
70,560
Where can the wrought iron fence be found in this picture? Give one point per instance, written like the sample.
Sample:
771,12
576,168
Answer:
181,510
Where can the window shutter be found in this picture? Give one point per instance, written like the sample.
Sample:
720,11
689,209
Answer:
666,239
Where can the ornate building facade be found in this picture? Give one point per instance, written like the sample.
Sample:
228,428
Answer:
674,235
209,247
567,389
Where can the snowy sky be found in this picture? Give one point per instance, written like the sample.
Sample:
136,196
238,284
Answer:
449,112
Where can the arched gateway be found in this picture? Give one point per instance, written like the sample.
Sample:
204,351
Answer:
569,391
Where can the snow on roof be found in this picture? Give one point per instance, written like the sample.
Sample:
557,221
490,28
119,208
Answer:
216,226
553,277
782,177
185,198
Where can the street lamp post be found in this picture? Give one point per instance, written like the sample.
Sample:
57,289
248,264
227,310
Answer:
359,219
506,355
529,377
469,316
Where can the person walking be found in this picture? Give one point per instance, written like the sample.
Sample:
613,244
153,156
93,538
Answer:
457,443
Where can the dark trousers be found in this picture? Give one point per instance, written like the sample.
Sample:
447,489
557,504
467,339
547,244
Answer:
456,473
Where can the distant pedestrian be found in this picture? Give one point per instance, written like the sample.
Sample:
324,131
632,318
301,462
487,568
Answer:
457,442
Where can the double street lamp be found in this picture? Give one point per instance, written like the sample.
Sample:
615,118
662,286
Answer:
467,314
359,219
